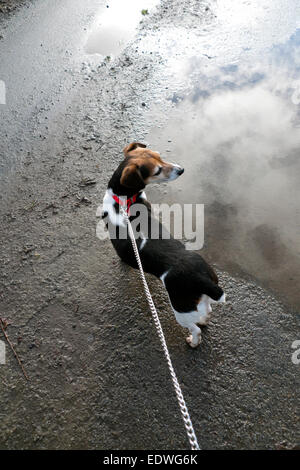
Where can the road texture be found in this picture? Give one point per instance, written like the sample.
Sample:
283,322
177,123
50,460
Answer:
76,314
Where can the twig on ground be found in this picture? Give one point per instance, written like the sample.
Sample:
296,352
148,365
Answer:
3,325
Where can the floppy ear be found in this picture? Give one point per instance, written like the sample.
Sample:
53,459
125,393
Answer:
131,177
133,146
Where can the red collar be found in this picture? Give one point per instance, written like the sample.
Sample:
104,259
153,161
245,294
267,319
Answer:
125,202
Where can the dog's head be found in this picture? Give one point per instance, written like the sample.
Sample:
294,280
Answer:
143,166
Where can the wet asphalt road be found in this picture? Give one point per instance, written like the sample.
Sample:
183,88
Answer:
77,317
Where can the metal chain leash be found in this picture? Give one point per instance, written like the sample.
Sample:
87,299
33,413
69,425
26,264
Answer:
183,408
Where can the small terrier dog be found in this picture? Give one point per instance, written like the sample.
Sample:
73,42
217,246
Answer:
191,283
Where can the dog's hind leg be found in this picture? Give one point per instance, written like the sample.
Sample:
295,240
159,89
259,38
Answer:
187,320
204,310
195,338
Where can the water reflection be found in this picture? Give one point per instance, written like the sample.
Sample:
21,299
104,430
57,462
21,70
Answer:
116,25
236,131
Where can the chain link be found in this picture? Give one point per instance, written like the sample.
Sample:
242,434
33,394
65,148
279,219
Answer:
183,408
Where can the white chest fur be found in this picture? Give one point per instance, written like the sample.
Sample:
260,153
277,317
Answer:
115,218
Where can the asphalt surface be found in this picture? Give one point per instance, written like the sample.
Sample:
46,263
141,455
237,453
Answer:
76,314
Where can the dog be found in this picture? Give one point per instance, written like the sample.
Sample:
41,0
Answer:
192,285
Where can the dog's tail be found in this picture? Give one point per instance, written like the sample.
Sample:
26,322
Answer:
210,288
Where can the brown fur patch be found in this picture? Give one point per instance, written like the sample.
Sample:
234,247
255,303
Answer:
140,157
131,177
133,146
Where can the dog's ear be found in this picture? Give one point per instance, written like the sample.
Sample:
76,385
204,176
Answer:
131,177
133,146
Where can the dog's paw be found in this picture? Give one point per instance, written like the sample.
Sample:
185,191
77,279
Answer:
204,321
190,342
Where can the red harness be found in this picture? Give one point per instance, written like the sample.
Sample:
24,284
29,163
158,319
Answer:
126,202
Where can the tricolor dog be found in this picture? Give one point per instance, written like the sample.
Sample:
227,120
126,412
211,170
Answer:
191,283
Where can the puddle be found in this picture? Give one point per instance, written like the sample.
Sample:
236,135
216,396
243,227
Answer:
116,26
233,104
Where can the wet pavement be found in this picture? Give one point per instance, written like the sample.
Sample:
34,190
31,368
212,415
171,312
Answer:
212,87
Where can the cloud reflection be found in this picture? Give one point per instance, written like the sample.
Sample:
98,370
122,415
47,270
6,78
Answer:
236,131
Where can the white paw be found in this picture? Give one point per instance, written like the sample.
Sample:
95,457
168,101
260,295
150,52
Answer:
190,342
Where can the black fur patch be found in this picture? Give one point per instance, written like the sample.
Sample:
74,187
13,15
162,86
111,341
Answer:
189,276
